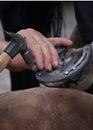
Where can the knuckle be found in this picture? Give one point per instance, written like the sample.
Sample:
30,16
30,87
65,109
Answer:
30,29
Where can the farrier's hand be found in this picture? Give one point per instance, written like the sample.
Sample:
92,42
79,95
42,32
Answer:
43,50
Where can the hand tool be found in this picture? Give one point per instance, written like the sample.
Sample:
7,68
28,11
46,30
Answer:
17,45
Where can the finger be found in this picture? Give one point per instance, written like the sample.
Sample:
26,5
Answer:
60,41
33,46
33,68
46,52
17,64
37,43
37,54
53,52
54,55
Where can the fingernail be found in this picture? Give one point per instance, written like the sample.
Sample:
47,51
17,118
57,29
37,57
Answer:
34,68
41,67
56,63
49,67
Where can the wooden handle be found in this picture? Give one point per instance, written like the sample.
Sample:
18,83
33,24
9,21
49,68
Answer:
4,60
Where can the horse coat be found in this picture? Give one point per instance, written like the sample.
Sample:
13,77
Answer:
46,108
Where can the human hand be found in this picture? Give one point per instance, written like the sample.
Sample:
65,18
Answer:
43,50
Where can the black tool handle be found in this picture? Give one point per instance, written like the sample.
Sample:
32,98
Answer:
28,58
